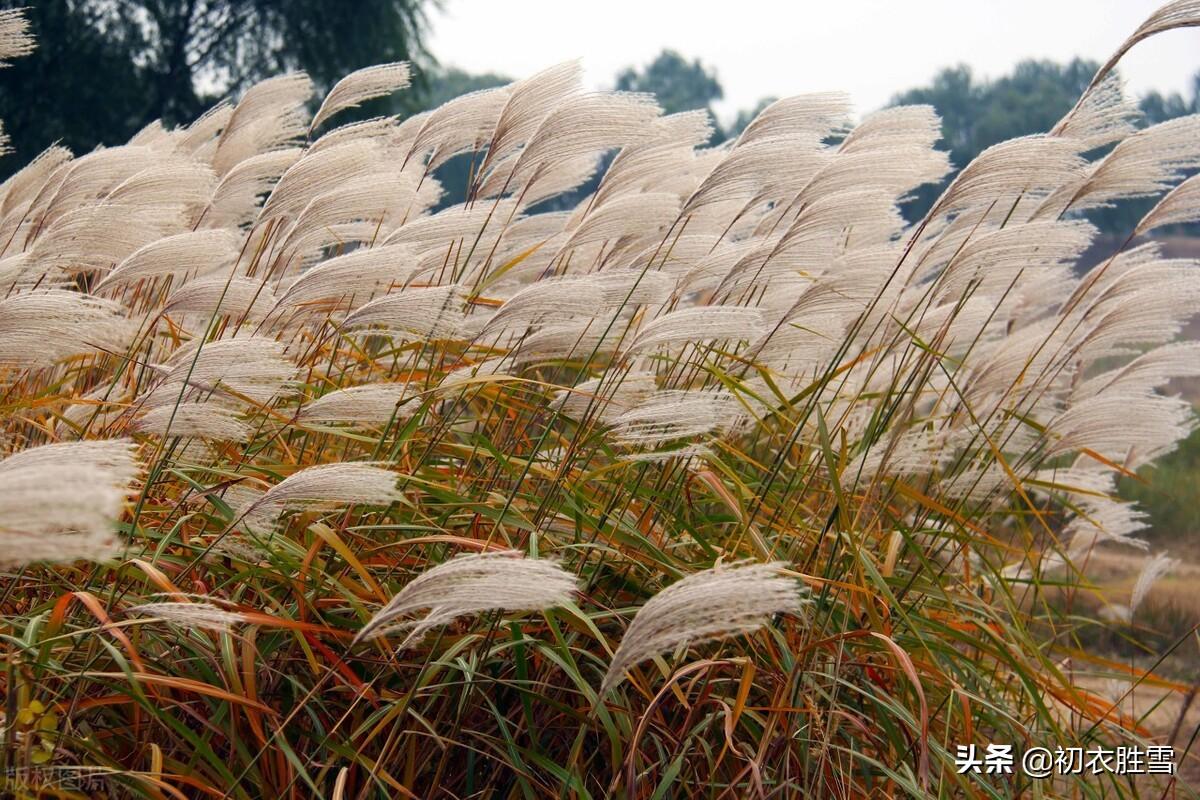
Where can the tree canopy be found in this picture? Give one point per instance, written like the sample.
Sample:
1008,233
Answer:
979,113
105,68
679,85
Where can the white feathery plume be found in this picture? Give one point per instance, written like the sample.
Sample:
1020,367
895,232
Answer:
740,176
15,39
552,300
382,197
78,183
96,410
673,414
235,201
454,227
473,373
990,262
21,549
605,400
1104,425
356,276
1144,164
182,182
1103,116
320,172
323,487
190,614
537,184
1154,568
583,125
195,421
235,297
360,86
917,125
626,218
368,404
706,270
250,366
1179,206
20,188
527,104
1150,370
1105,519
270,114
381,130
642,165
700,324
204,131
461,125
1026,165
715,604
623,288
59,502
97,238
265,98
194,253
895,168
42,327
432,313
471,584
810,117
1176,14
1133,310
660,456
567,340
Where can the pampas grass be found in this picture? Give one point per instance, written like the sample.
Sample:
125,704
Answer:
723,481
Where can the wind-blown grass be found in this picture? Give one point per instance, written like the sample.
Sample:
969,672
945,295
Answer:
786,481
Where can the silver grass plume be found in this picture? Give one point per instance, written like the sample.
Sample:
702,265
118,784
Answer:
320,488
471,584
360,86
15,39
715,604
1152,570
60,502
189,614
253,367
356,276
368,404
526,106
237,297
1179,206
701,324
195,420
673,414
426,314
39,328
195,253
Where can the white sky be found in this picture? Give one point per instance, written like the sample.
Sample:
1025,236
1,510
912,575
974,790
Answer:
870,48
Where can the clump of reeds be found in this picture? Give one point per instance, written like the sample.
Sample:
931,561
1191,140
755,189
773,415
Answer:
731,421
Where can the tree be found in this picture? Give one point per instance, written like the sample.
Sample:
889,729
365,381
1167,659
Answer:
679,85
105,68
746,115
977,114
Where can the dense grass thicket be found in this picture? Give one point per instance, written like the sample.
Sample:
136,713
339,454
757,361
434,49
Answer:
726,482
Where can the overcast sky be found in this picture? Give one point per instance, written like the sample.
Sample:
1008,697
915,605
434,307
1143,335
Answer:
870,48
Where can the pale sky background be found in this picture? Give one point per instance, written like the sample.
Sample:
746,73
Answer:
870,48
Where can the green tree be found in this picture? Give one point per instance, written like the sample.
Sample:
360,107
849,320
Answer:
104,68
679,85
979,113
